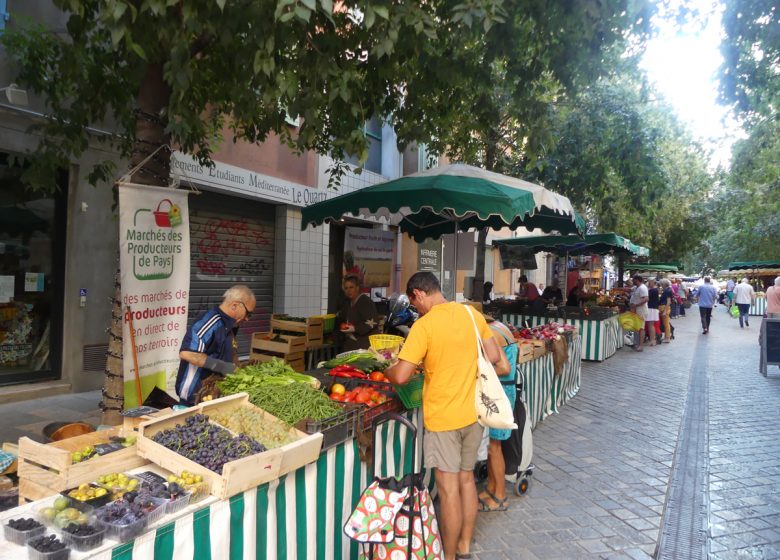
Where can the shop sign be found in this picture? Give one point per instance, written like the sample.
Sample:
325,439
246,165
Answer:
155,268
244,182
429,256
368,253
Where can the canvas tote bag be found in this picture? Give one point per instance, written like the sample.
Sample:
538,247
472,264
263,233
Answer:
490,400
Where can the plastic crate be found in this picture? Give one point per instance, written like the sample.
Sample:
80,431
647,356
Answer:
88,505
336,429
367,416
83,543
34,554
411,392
21,537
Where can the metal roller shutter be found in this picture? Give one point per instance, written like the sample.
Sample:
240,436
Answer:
232,242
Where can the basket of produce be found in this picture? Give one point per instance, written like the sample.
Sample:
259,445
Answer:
411,393
59,513
335,429
385,341
90,495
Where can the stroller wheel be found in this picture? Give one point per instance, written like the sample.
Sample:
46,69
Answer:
522,485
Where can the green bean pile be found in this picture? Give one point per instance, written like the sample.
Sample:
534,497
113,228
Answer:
294,402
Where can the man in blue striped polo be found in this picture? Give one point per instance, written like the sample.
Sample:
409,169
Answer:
209,345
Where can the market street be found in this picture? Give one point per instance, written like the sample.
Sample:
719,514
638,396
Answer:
604,463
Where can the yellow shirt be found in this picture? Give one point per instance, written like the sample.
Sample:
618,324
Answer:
443,339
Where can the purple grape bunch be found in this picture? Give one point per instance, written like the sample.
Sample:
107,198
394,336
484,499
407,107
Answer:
207,444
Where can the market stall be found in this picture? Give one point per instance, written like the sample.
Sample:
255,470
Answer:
545,392
300,507
299,515
596,320
761,274
601,334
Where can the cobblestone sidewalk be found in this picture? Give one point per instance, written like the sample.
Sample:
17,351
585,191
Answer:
604,463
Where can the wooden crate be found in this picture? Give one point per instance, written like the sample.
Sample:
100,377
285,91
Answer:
312,329
237,476
525,351
539,351
263,343
50,466
30,491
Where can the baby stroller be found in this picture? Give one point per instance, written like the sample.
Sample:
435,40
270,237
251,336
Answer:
518,449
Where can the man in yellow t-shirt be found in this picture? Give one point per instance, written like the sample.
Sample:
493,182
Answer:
443,339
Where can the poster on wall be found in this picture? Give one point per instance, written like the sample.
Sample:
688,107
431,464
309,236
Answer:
154,247
368,254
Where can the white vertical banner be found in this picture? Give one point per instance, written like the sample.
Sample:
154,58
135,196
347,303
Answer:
154,247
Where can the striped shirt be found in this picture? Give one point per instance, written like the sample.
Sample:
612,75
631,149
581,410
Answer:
212,334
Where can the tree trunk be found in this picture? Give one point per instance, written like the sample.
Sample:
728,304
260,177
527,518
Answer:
150,134
479,268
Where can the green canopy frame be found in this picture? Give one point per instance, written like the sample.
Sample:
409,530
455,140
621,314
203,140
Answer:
746,265
594,244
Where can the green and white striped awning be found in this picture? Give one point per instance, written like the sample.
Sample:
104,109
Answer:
593,244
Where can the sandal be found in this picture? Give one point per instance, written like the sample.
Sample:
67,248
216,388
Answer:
502,505
463,556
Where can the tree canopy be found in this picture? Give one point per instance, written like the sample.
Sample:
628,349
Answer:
172,72
623,159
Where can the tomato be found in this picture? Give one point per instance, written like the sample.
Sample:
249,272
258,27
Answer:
363,397
338,389
336,397
377,376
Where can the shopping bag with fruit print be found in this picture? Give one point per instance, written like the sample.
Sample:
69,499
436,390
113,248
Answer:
395,518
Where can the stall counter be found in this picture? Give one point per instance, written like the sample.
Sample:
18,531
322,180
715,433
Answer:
601,338
300,515
758,307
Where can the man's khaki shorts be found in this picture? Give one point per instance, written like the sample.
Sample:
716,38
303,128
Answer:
453,451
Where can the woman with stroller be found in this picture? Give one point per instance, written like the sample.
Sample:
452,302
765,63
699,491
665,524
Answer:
493,497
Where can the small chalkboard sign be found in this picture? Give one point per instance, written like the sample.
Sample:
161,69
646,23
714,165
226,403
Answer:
139,411
770,343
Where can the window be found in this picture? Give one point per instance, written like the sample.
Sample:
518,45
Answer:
373,131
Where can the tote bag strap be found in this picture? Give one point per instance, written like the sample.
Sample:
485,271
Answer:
480,346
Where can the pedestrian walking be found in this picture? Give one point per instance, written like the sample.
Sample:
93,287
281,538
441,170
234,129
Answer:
665,308
744,296
652,324
443,340
638,303
730,291
708,295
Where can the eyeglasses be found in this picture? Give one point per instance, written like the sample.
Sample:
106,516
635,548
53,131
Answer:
248,313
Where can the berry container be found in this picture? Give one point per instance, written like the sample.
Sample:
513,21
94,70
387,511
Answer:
178,503
35,554
85,542
158,511
123,532
21,537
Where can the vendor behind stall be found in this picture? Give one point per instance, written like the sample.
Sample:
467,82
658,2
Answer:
552,294
210,343
358,318
577,293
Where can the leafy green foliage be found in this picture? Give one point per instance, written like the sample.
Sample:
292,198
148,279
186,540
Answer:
749,77
745,210
629,166
166,72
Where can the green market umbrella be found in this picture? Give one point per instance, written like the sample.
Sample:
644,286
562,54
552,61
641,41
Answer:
594,244
565,245
753,264
451,198
653,267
